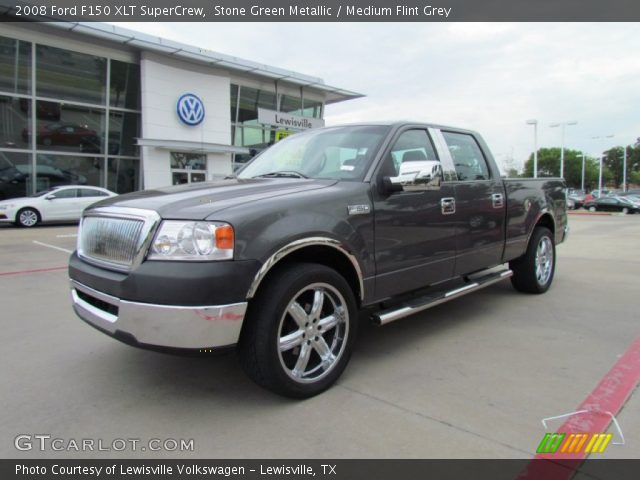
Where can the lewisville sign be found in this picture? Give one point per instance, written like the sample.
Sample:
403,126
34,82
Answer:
286,120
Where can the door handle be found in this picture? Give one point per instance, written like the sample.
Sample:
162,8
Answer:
448,205
497,199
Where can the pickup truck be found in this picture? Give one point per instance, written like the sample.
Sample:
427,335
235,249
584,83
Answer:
281,259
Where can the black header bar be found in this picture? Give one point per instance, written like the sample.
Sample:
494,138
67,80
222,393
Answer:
321,10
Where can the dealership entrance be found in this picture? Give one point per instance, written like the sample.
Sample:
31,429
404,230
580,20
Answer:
188,167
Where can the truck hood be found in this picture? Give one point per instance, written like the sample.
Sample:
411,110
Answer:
197,201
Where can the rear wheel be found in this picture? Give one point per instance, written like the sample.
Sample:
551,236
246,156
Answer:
533,272
625,210
28,217
300,330
592,209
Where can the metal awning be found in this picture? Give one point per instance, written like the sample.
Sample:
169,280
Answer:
188,146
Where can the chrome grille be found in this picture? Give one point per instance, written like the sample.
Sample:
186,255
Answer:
109,240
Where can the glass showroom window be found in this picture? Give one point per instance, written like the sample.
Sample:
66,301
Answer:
15,66
312,108
15,175
70,75
15,114
250,100
124,85
70,128
124,128
123,175
55,170
291,105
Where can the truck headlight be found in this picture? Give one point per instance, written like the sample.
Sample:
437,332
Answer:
192,241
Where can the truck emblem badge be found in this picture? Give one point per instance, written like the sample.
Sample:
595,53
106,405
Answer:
358,209
190,109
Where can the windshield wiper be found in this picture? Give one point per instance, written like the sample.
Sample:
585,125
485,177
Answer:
282,174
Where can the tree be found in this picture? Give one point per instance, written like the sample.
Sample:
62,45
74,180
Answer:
549,166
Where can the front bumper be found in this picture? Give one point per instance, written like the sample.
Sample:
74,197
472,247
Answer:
164,326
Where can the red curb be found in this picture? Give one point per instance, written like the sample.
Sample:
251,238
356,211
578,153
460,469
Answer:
37,270
608,398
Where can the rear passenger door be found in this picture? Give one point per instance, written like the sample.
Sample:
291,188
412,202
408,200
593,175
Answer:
480,204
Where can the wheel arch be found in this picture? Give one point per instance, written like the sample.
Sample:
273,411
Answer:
27,207
322,250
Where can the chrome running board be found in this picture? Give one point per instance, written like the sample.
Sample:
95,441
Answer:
423,303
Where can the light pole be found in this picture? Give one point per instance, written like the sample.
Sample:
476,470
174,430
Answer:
535,146
583,159
601,156
562,125
624,168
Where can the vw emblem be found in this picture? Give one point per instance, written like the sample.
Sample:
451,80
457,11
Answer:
190,109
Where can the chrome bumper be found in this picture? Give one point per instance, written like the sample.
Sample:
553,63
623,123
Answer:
160,325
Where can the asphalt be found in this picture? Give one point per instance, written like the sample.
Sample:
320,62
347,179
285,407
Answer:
469,379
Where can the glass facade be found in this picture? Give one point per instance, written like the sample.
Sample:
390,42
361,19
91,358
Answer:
66,118
246,131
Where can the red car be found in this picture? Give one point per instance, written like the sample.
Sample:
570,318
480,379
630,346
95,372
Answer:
65,134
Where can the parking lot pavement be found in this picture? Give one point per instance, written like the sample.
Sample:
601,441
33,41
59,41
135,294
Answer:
468,379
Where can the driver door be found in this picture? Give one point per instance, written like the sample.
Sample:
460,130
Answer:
415,243
60,205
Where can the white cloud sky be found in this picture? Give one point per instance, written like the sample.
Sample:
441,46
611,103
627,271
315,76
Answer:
489,77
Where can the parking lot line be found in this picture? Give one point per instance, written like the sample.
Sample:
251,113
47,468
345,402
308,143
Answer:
36,270
601,406
66,250
70,235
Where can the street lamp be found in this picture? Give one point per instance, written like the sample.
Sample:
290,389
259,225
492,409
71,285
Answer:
535,146
601,157
562,125
583,159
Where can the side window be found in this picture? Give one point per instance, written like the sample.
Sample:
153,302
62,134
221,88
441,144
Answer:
90,192
66,193
412,146
467,157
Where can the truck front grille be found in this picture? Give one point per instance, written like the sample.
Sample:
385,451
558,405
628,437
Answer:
114,241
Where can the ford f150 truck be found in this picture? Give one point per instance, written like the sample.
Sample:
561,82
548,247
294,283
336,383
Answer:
280,259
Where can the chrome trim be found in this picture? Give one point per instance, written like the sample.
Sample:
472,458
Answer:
163,325
150,220
297,245
419,305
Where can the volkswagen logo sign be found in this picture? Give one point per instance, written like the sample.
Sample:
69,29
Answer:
190,109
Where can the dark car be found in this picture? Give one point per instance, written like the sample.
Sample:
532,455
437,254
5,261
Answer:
612,204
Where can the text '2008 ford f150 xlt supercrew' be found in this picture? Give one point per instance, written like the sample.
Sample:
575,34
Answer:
279,259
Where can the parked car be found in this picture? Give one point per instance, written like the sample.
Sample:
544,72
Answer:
571,204
280,259
66,134
612,204
54,205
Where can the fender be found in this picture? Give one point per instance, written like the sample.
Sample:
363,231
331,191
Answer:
297,245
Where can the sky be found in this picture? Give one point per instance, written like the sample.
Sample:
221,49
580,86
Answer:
488,77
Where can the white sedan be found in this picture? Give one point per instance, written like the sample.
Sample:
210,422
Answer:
55,205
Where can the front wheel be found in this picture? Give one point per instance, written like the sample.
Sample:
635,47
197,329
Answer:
27,217
592,209
533,272
299,332
625,210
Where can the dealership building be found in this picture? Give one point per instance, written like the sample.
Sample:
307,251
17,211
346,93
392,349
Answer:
96,104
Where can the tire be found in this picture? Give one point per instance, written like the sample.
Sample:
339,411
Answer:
533,272
27,217
625,210
292,315
592,209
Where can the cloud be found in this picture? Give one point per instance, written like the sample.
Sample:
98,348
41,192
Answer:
489,77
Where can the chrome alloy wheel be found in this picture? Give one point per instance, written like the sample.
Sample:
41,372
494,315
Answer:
28,218
313,332
544,260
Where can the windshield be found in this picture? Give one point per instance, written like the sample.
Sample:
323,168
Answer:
339,153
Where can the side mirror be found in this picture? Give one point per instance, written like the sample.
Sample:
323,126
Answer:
50,197
415,177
